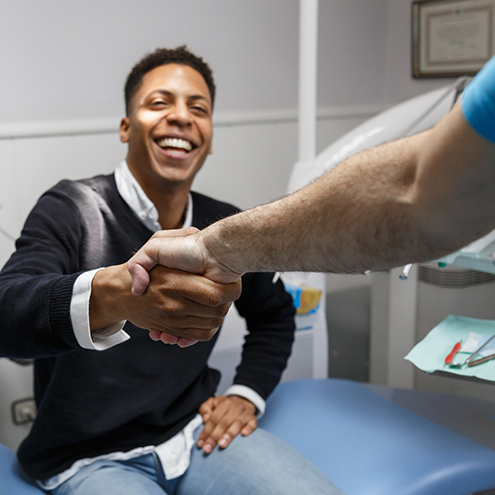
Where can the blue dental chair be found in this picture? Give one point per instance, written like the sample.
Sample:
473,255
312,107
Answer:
376,440
11,479
369,439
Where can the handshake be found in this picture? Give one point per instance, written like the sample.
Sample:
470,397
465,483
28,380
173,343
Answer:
207,300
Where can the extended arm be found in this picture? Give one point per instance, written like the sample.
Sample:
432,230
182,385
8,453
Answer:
410,200
406,201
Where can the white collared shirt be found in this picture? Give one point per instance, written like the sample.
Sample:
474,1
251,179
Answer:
174,454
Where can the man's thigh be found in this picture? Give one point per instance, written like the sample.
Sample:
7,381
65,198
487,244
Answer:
113,478
259,464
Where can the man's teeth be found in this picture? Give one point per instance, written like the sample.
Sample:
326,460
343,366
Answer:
175,143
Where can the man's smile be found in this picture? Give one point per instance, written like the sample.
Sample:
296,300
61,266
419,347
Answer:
175,143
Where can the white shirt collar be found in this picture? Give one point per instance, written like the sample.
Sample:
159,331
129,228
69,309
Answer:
132,193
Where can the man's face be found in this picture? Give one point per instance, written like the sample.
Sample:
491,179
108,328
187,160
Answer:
169,128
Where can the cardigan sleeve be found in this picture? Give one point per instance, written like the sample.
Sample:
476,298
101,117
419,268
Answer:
36,283
269,314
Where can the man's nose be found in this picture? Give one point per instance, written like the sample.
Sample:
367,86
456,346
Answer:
179,114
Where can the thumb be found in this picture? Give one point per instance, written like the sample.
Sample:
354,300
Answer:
141,264
168,248
140,277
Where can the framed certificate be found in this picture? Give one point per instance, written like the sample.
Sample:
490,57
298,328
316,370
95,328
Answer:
452,37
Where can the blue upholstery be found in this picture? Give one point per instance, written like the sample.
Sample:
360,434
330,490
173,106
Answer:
369,440
11,482
370,445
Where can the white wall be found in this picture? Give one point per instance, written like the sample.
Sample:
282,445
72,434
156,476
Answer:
398,82
69,59
63,59
351,58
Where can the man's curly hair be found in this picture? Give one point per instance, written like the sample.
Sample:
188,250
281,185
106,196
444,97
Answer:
163,56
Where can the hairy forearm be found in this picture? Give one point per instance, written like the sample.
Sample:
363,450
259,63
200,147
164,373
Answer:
406,201
338,223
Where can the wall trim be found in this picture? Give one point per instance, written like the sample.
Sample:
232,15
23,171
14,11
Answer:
225,119
11,130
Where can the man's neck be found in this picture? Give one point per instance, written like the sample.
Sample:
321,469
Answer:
170,200
171,207
171,216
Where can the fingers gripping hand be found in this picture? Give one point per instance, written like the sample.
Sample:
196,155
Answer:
167,338
170,248
193,307
224,418
189,307
179,307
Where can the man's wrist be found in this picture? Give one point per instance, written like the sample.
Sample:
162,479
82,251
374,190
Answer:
98,340
108,285
221,256
250,395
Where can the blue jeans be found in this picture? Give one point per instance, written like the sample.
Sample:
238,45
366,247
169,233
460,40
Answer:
259,464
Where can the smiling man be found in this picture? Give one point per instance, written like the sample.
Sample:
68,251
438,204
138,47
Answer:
117,412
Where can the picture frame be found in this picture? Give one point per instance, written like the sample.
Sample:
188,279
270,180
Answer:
451,38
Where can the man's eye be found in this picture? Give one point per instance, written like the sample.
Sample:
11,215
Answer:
199,109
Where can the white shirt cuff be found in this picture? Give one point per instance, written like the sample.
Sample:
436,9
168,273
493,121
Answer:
98,340
250,395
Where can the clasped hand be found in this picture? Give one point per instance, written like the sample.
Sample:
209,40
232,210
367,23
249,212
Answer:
182,250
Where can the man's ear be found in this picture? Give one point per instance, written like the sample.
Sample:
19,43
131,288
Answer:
125,125
210,151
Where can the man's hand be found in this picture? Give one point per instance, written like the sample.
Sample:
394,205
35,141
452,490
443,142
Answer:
182,250
189,307
179,249
224,418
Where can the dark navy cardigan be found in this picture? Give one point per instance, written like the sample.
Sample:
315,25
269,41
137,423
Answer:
134,394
